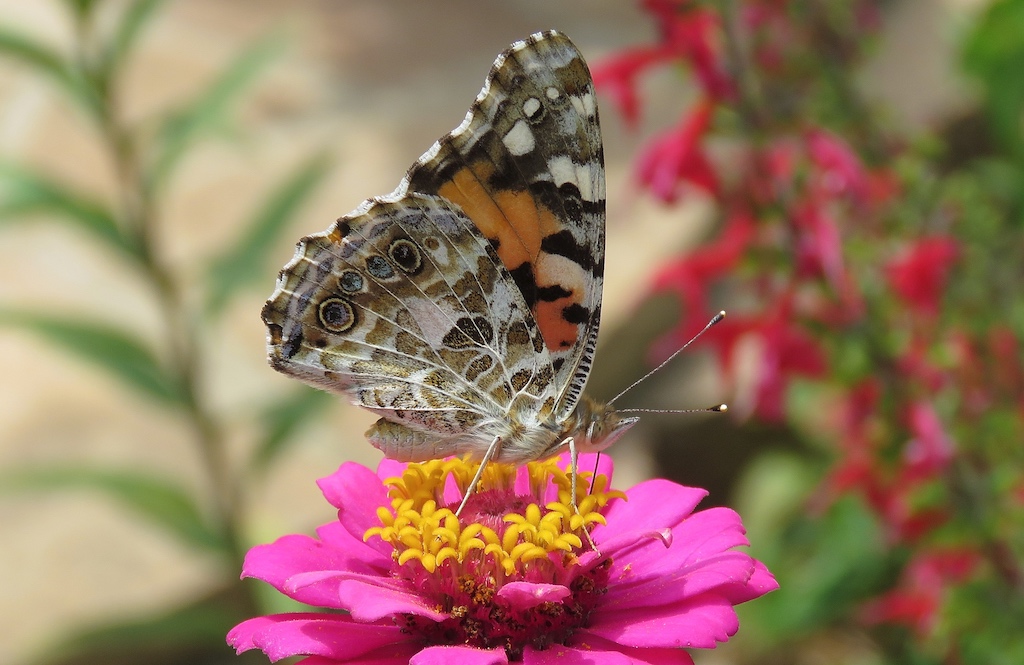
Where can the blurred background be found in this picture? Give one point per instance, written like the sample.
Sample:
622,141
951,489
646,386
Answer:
158,160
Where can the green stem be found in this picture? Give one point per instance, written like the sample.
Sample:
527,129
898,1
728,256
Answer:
139,208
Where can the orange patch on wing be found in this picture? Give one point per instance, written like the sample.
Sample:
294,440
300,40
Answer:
514,218
558,333
519,223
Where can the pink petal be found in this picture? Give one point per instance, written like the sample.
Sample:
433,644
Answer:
367,597
358,551
276,562
594,649
701,559
389,468
707,533
605,465
727,569
353,482
370,598
521,486
318,588
357,492
446,655
760,583
398,654
333,636
700,535
451,495
652,505
623,548
524,595
694,623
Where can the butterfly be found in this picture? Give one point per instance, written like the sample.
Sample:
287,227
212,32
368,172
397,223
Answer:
464,307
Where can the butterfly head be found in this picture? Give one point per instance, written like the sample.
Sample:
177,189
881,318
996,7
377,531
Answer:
599,425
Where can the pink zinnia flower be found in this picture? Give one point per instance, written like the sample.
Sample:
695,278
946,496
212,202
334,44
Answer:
513,579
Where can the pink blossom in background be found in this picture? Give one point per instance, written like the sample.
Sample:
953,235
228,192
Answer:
677,158
617,77
930,449
919,274
918,597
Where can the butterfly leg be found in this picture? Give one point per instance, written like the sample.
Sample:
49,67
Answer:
574,458
491,449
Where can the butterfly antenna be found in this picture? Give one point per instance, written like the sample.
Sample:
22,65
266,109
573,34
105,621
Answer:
718,408
717,318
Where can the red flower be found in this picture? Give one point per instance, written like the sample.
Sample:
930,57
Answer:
691,275
691,32
930,450
919,274
918,597
839,172
617,77
676,157
787,351
819,246
914,364
688,34
857,468
782,349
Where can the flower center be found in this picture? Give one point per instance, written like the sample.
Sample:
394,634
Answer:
465,565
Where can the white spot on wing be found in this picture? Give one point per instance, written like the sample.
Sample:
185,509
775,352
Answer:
585,105
564,170
519,140
531,106
589,107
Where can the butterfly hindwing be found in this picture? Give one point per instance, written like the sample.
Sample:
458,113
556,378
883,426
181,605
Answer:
403,306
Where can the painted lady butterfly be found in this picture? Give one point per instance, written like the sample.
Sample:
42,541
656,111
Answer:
464,306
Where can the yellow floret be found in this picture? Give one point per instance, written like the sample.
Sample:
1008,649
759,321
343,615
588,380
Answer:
424,532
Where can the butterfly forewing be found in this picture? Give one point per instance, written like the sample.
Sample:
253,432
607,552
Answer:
527,166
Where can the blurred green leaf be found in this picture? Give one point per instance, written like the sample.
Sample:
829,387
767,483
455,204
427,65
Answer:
994,53
116,351
82,8
51,64
134,19
284,419
23,193
246,262
160,501
192,634
209,110
826,567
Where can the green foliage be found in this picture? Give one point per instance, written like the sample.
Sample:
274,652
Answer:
190,634
994,54
28,194
50,64
283,419
157,499
243,264
208,112
129,29
116,351
168,371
